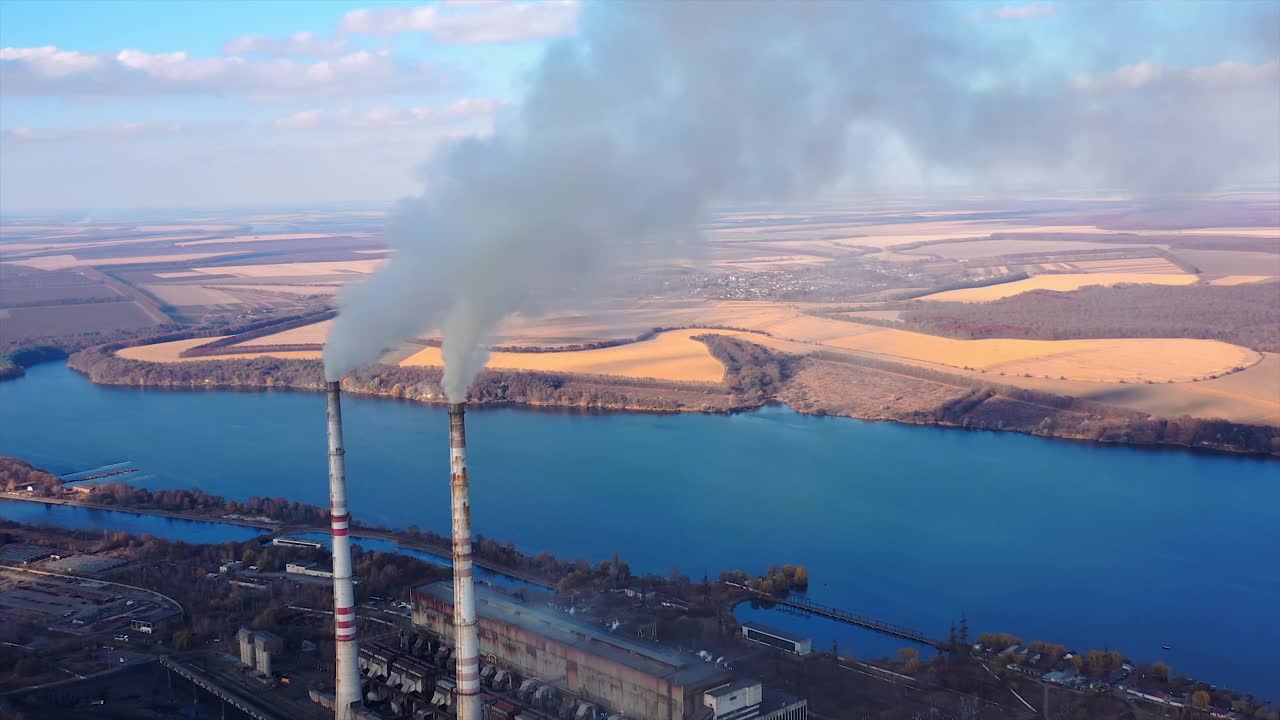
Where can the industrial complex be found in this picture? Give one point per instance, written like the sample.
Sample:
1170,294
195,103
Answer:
509,658
644,681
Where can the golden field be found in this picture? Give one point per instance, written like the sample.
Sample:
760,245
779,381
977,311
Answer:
314,333
265,238
671,355
170,351
674,355
297,269
1064,282
1240,279
63,262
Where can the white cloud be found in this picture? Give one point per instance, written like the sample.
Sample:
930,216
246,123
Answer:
475,114
49,71
470,21
303,44
1024,11
49,61
1223,76
115,131
301,120
1129,76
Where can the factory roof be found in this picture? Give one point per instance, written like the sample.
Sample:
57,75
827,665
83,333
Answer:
267,636
731,688
671,665
774,700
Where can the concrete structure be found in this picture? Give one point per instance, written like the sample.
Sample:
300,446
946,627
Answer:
264,645
257,585
308,568
618,674
347,681
464,604
749,700
294,542
773,637
730,701
245,638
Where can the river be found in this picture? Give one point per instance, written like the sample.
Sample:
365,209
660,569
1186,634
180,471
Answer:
1091,546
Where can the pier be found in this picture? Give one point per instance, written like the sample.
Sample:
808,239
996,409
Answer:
844,616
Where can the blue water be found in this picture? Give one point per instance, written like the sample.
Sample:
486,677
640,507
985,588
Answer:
81,518
1092,546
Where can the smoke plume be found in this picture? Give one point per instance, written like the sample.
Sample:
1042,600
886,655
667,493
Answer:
658,111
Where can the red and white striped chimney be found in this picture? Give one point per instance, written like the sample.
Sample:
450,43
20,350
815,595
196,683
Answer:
464,591
347,696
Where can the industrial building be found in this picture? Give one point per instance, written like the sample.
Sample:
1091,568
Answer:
620,674
257,648
749,700
773,637
308,568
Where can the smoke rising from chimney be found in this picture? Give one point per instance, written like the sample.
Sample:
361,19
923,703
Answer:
658,111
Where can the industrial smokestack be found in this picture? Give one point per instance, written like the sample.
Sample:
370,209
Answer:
347,695
464,591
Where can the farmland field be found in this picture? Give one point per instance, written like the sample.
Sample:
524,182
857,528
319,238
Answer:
1240,279
674,355
670,356
795,282
1228,262
1064,282
55,320
170,351
972,249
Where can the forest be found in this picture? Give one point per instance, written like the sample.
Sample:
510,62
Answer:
1239,314
752,372
15,474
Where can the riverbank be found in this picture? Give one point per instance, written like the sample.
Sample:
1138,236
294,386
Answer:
1005,655
175,515
14,365
822,384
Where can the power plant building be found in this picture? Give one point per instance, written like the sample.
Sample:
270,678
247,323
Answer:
639,679
749,700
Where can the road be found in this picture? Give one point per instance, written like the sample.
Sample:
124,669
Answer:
80,578
177,515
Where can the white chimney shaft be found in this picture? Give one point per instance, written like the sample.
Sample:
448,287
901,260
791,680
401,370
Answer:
347,696
464,598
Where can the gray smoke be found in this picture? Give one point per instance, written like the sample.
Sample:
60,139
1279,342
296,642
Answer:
658,111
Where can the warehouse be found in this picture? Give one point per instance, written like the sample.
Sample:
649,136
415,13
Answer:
773,637
642,680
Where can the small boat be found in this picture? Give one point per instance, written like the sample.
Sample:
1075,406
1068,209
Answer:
1165,647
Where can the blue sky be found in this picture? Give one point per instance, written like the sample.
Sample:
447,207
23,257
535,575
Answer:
138,93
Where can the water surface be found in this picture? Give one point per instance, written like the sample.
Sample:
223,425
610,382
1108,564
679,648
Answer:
1092,546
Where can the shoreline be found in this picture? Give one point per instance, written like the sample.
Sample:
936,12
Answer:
401,540
171,514
624,396
398,537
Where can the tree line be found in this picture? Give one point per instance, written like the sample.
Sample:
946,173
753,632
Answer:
1239,314
993,406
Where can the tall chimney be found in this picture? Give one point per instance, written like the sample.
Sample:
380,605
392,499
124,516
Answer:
464,591
347,696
